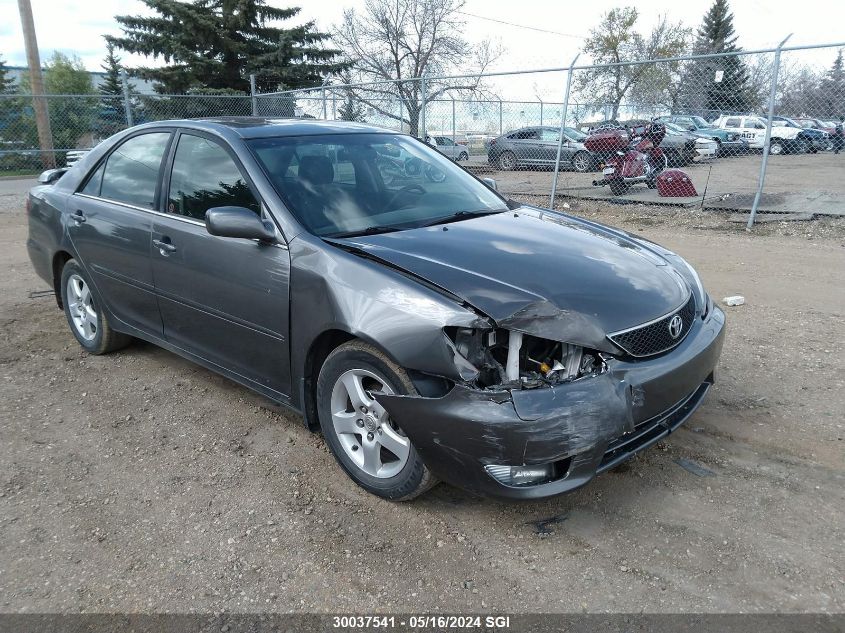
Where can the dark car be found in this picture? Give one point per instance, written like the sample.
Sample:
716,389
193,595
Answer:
730,143
537,146
430,328
810,139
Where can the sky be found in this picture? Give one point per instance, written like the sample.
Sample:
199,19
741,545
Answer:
78,26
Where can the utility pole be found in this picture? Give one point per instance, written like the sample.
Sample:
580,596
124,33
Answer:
39,102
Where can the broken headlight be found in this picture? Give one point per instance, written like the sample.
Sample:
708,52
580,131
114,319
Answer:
507,358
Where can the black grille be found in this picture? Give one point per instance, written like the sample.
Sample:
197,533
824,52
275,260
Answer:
655,337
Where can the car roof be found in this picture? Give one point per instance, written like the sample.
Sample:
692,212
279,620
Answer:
248,127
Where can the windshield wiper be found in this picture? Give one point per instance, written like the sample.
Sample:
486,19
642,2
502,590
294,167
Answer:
370,230
460,215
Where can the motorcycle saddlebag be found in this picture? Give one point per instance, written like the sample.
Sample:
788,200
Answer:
607,141
674,183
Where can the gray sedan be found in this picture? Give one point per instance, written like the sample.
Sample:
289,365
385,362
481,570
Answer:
538,146
429,327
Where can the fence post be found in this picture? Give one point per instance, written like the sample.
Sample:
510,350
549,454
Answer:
541,111
127,103
252,95
421,126
562,125
501,127
453,119
764,164
323,91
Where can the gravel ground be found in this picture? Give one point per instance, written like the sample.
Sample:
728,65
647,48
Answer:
140,482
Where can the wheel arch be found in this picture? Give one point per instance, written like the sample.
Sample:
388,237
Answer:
323,345
60,258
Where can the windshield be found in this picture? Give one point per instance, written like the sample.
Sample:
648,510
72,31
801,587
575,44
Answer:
674,127
345,184
700,122
575,135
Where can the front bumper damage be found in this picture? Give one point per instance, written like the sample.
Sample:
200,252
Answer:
584,427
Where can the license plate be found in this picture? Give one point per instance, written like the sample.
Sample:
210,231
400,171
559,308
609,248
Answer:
608,170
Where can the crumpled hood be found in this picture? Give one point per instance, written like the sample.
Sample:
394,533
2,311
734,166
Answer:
542,273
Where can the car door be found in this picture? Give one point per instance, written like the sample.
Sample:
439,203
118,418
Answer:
110,227
549,141
526,145
447,146
222,299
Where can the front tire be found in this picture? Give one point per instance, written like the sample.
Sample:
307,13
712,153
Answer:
368,445
776,147
88,322
463,156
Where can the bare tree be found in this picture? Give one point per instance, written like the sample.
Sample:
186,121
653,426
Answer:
615,41
403,40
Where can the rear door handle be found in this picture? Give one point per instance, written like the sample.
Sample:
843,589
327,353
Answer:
78,216
164,246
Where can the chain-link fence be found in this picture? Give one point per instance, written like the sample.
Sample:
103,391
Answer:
751,131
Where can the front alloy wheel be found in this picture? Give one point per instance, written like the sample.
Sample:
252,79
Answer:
370,446
368,437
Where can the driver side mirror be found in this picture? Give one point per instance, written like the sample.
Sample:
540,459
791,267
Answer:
692,128
238,222
490,182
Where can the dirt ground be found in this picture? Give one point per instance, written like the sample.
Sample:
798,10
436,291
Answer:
806,182
140,482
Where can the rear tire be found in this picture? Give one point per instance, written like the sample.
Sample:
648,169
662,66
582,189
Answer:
581,162
371,448
506,161
463,156
87,320
618,187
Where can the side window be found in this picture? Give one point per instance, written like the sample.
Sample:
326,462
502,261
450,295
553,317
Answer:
550,135
205,176
95,181
131,171
734,122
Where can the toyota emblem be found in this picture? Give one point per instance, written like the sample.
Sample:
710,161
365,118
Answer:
675,326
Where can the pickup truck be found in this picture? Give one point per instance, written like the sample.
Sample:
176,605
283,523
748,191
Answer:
784,139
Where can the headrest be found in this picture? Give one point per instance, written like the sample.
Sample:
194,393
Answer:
316,170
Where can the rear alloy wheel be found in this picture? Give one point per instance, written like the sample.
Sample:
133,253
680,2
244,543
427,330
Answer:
87,322
368,445
581,162
507,161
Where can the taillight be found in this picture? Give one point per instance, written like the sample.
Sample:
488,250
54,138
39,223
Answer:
28,203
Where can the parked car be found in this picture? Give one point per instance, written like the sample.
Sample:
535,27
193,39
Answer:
448,147
430,328
815,140
537,146
705,147
816,124
753,129
730,143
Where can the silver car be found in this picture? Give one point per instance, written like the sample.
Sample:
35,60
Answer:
530,146
448,147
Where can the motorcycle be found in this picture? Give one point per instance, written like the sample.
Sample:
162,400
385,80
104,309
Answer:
629,158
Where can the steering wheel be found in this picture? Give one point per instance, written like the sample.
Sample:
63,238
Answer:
418,189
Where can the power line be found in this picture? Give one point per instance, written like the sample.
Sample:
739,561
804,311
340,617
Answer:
520,26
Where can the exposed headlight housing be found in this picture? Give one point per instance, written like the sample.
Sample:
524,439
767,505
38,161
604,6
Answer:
510,359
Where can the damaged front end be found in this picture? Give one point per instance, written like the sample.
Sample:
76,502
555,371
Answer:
534,417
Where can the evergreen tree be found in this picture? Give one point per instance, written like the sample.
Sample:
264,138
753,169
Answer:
719,84
112,112
7,84
112,85
219,43
351,109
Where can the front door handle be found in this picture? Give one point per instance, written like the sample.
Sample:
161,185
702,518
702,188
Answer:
78,217
164,246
